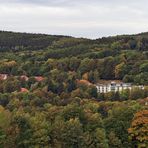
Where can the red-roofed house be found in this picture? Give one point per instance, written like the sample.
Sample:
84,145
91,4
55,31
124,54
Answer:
3,76
24,77
39,78
24,90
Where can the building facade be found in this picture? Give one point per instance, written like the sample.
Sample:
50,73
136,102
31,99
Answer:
115,87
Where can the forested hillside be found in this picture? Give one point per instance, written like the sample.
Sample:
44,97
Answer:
48,96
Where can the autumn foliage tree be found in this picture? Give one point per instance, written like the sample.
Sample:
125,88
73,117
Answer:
139,129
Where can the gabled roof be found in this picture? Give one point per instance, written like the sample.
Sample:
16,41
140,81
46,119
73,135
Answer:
24,90
24,77
39,78
3,76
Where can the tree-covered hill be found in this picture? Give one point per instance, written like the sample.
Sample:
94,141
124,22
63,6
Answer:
48,96
122,57
18,41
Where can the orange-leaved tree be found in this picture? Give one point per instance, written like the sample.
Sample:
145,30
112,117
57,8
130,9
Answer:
139,129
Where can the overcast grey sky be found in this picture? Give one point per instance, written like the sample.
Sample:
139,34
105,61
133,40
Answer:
79,18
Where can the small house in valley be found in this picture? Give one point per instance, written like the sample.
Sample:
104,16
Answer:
24,77
24,90
39,78
3,76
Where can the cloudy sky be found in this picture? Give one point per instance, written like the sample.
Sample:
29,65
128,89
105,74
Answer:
79,18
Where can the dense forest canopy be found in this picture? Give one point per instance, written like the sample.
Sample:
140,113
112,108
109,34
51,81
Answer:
48,96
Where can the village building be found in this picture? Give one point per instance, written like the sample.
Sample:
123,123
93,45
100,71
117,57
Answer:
3,76
39,78
24,90
115,87
24,77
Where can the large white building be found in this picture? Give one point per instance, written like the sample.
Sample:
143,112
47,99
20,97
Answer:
114,87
